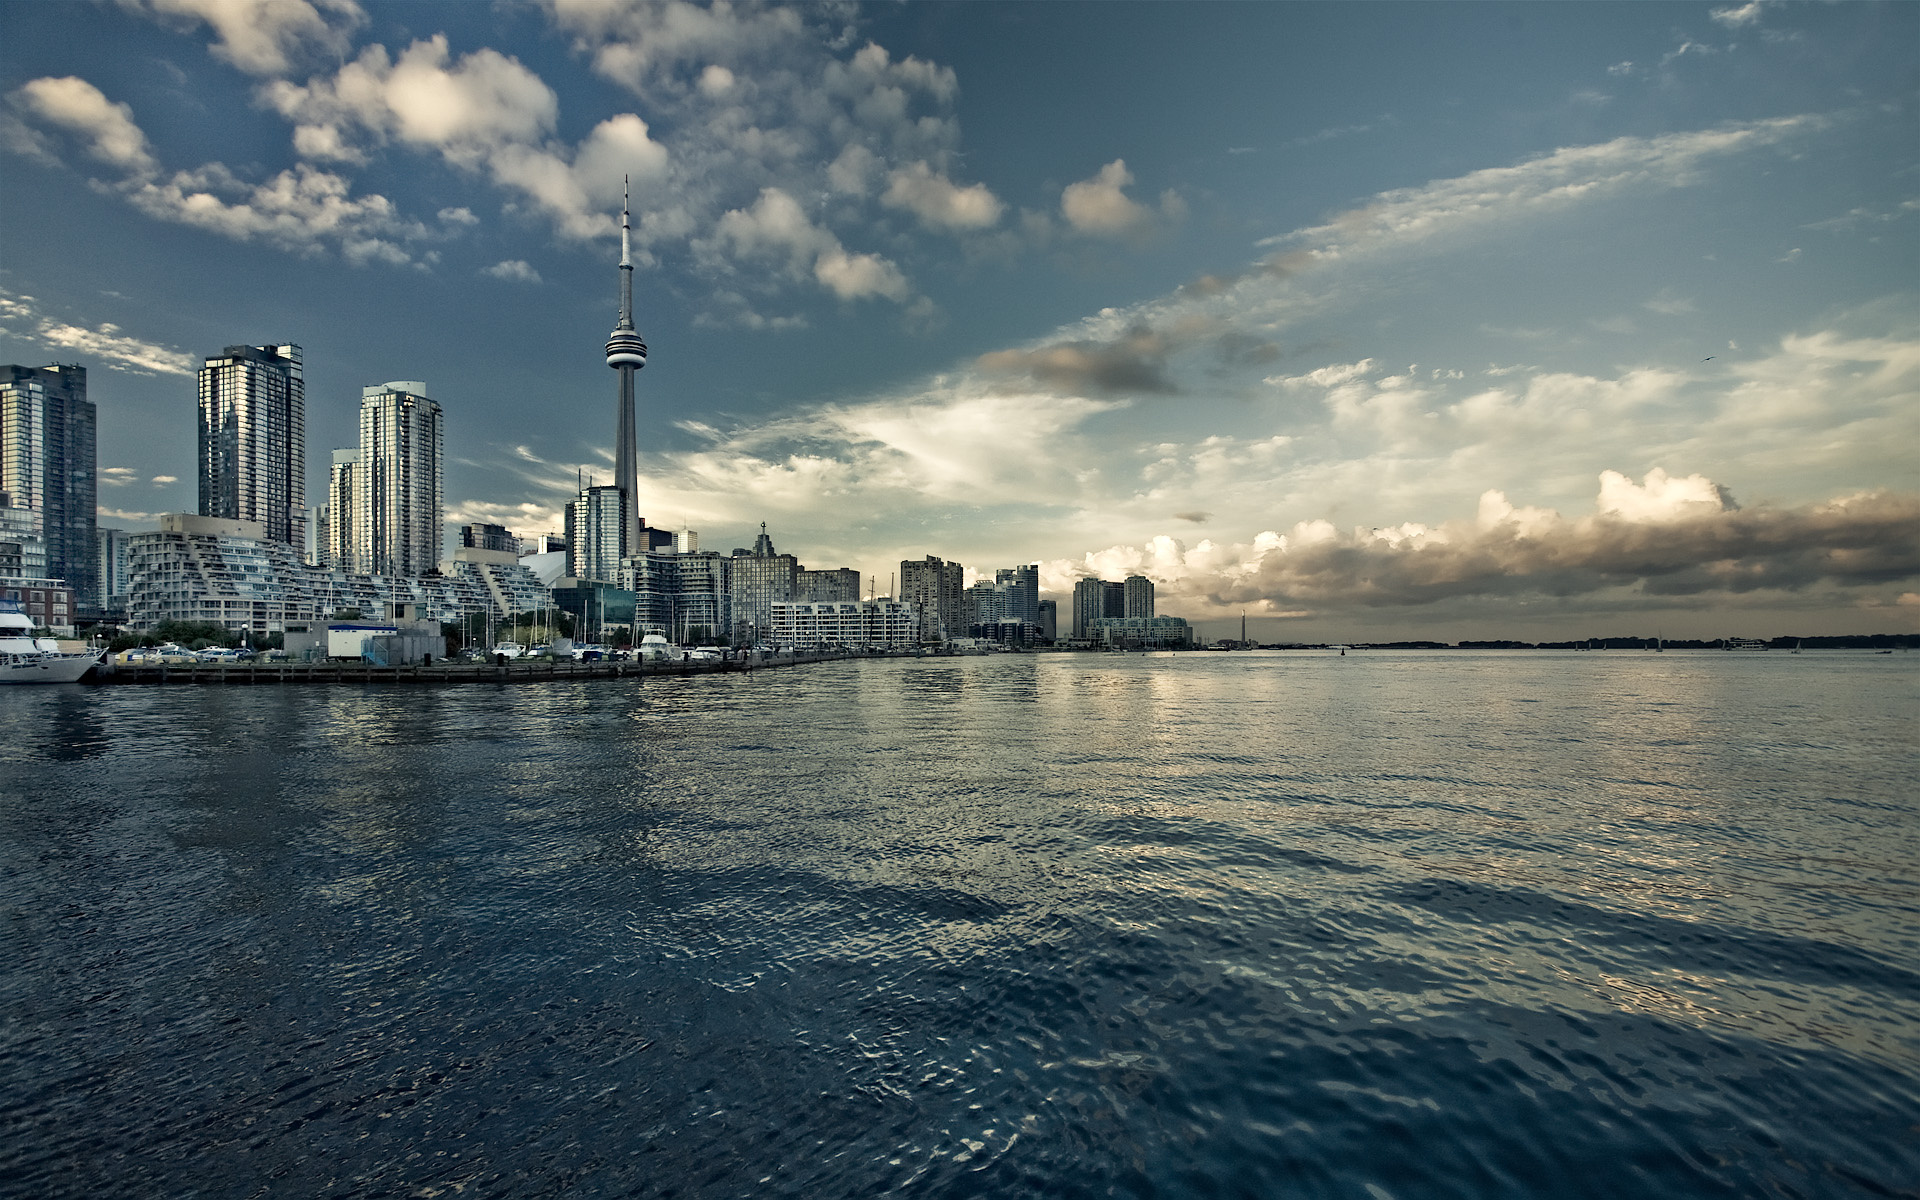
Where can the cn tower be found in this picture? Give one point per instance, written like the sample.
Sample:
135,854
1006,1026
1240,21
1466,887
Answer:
626,353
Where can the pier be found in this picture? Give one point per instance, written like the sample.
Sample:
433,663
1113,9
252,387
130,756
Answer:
513,671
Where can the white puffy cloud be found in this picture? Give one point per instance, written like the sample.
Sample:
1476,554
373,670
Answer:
1661,497
81,109
776,229
265,37
303,209
938,201
1100,205
514,270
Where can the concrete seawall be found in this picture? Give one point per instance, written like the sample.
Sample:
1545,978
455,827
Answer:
515,671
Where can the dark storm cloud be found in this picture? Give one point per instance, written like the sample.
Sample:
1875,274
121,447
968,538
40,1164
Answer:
1132,364
1858,541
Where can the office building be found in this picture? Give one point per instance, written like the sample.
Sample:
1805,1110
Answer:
398,480
253,439
47,473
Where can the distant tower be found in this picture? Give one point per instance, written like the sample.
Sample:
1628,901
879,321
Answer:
626,353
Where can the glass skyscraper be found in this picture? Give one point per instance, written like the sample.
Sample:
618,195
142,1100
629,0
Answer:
253,439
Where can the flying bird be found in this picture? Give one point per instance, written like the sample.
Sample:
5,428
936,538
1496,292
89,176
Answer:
1708,358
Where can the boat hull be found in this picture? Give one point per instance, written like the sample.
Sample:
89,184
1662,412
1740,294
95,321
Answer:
46,668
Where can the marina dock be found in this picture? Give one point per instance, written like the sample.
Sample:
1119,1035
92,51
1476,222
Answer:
513,671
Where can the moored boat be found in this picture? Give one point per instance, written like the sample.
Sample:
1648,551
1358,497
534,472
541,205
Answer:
25,660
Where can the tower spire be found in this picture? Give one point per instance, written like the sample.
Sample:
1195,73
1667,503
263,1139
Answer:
626,353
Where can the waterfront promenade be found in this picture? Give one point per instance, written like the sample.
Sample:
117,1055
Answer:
513,671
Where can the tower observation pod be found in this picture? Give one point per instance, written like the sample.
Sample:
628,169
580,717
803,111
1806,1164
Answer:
626,353
624,347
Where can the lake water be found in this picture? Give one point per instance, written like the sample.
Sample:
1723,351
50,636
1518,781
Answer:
1265,925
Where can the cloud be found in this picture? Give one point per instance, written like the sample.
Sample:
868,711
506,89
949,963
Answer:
1100,205
776,229
1739,16
1667,547
81,109
264,37
163,480
20,318
1133,362
938,201
514,270
303,209
457,216
1549,183
116,476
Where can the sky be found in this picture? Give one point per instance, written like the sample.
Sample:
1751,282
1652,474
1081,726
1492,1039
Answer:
1368,321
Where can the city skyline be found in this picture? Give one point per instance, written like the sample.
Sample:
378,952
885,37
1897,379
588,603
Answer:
1609,326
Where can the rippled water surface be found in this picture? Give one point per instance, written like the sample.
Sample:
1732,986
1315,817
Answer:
1265,925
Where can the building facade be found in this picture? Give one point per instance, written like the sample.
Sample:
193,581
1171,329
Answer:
1142,633
342,547
115,571
855,624
840,583
48,430
196,568
253,439
1094,600
398,480
1136,597
936,588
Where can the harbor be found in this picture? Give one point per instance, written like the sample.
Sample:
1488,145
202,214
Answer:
520,670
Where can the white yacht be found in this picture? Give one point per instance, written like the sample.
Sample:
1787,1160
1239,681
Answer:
654,648
24,660
510,649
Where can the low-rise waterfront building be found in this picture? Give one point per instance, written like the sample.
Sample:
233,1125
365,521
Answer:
1141,633
881,624
226,571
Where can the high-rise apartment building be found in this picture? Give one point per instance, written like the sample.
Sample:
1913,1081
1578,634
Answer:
936,587
253,439
1022,586
47,437
398,497
1136,597
111,546
597,532
826,586
342,548
1095,600
758,579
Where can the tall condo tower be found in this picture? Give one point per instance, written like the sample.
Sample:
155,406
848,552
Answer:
47,477
626,353
253,439
397,480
